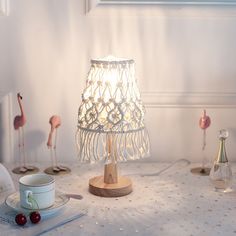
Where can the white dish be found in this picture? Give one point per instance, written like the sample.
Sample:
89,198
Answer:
13,201
6,183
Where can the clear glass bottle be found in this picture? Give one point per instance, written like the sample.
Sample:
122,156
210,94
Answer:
221,173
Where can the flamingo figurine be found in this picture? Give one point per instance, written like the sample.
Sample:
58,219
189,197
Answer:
19,122
55,122
204,123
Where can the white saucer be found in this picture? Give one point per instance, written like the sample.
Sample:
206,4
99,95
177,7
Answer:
13,201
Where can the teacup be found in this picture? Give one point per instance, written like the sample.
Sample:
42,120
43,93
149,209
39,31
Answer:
37,191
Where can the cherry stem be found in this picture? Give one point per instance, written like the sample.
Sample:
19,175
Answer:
33,201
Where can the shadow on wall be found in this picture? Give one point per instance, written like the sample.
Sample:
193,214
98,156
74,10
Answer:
33,142
34,138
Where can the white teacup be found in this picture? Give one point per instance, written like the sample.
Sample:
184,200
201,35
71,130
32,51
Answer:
40,188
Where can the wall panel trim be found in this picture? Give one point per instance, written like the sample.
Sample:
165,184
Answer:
91,4
189,99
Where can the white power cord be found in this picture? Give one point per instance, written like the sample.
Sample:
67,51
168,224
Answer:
183,161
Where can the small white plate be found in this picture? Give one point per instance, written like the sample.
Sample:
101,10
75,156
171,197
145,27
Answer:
13,201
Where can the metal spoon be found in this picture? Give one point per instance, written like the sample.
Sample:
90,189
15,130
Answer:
74,196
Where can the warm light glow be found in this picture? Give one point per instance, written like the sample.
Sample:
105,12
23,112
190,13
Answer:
111,104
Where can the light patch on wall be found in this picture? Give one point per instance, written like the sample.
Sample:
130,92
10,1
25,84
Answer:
4,7
6,128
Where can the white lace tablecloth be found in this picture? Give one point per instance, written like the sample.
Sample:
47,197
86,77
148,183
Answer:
175,202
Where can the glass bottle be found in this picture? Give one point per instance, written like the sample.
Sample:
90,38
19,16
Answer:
221,173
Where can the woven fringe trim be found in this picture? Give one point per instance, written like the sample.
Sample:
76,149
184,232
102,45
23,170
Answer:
93,146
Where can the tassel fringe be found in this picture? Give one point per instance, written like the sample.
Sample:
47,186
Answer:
93,146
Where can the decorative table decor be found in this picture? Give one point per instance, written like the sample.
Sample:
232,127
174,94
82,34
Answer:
174,203
19,123
37,191
111,123
204,123
33,223
6,183
37,207
221,173
55,169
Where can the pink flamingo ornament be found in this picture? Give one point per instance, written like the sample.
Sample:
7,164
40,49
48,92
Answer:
55,122
19,122
204,121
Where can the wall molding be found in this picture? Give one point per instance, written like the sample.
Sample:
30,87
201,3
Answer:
157,99
91,4
4,7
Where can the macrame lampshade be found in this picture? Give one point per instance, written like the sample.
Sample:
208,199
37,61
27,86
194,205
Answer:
111,123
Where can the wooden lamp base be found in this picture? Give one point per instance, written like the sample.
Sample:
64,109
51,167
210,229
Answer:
98,187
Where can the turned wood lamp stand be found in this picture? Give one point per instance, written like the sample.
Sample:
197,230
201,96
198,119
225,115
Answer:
110,185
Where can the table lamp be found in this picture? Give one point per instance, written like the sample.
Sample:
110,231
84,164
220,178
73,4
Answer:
111,123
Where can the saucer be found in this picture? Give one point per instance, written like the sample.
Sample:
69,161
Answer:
13,201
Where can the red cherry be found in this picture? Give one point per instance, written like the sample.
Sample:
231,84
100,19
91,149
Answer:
20,219
35,217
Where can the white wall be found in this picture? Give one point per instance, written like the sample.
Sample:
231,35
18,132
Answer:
185,61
